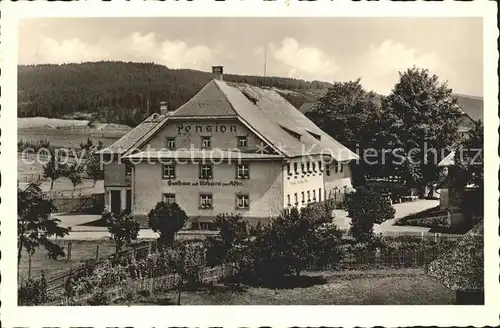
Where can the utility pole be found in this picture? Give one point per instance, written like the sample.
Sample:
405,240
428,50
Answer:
265,55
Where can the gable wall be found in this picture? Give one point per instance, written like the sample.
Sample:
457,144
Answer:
224,134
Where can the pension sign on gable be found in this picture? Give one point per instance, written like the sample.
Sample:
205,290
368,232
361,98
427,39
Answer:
206,128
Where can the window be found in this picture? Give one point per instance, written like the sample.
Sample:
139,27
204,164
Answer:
296,199
319,194
169,198
319,167
205,200
336,167
242,142
169,171
308,167
341,167
288,169
308,196
205,171
303,167
327,169
242,171
288,200
303,198
242,201
313,166
314,195
170,142
128,169
295,168
206,142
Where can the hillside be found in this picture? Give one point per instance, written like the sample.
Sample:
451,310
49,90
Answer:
119,92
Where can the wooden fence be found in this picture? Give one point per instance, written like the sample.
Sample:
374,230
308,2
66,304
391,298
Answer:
150,285
59,280
372,260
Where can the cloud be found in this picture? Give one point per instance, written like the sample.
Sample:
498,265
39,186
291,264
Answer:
133,47
378,67
304,61
48,50
174,54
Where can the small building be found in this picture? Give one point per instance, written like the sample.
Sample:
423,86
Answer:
232,148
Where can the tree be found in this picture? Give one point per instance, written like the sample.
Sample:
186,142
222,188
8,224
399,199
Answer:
167,220
123,227
53,169
346,113
120,91
93,167
365,208
427,119
287,244
88,145
74,173
186,260
35,225
355,118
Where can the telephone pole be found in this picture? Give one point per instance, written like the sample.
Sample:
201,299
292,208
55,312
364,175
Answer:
265,55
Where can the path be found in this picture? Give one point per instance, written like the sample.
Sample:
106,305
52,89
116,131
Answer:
388,227
405,209
79,232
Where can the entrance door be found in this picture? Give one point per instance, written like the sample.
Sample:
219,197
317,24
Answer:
116,201
128,202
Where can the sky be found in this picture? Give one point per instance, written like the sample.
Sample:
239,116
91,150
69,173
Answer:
326,49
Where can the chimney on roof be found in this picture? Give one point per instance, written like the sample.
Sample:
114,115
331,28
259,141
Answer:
164,108
218,72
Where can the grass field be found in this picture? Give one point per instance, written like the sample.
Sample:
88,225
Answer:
68,133
381,287
68,138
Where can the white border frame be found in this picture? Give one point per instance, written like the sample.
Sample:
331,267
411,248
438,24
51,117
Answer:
13,315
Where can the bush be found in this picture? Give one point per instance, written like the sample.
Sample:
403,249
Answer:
123,228
462,268
167,220
326,250
233,230
99,297
292,241
365,208
33,292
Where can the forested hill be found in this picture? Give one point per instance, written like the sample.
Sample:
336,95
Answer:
121,92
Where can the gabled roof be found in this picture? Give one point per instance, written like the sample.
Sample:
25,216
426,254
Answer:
208,102
130,139
265,112
307,107
472,106
285,115
449,160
